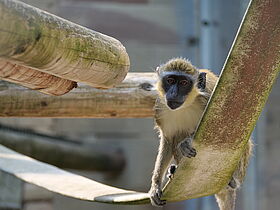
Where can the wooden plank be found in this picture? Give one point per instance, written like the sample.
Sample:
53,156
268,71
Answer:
45,42
243,88
134,98
34,79
64,183
10,192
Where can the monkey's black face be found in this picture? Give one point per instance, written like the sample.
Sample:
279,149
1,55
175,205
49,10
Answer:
176,86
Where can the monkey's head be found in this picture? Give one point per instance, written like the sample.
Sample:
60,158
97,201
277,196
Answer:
179,82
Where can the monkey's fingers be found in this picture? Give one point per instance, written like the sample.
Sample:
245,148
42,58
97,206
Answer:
155,199
192,152
157,202
188,151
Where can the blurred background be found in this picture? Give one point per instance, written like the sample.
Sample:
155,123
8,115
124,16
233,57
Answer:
152,31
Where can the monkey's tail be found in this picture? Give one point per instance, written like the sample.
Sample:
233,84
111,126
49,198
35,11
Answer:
226,198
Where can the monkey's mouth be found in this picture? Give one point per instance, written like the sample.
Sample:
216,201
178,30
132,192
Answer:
174,104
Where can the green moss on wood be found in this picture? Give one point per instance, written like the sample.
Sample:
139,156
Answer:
53,45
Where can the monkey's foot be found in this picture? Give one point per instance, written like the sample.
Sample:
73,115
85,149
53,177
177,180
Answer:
186,149
155,197
171,171
232,183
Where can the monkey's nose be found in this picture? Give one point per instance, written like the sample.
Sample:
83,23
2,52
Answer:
174,104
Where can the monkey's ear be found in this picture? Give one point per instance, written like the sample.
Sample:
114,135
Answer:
201,84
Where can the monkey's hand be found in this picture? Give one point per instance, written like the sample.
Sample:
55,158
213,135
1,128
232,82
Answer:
155,197
186,148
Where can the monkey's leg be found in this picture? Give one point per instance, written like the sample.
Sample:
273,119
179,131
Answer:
163,160
186,148
226,198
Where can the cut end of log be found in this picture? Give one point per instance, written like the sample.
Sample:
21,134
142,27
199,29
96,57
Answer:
34,79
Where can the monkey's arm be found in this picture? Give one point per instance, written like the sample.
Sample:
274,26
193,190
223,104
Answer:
163,160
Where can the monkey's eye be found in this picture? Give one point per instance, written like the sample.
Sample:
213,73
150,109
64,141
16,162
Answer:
184,82
170,81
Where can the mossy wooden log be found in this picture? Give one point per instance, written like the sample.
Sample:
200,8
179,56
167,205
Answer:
34,79
243,88
45,42
63,152
134,98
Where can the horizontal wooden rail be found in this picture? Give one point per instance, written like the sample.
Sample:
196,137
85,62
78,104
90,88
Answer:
134,98
45,42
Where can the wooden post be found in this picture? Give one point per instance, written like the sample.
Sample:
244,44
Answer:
134,98
45,42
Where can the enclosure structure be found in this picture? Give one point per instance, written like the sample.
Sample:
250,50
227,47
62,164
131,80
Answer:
242,83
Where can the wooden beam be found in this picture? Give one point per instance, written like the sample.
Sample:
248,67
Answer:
63,152
134,98
45,42
64,183
34,79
